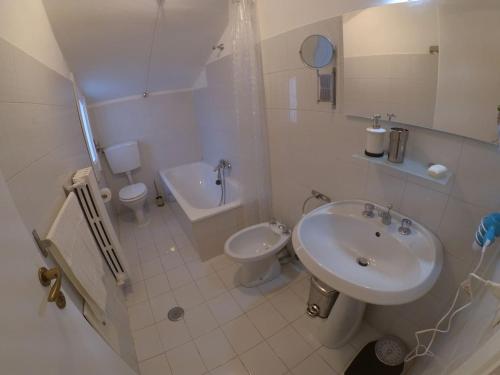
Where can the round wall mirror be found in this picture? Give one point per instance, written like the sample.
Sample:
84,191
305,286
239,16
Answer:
317,51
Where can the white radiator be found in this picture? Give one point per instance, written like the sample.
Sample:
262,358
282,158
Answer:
89,196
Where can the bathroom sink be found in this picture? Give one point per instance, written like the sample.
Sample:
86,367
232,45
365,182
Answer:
364,258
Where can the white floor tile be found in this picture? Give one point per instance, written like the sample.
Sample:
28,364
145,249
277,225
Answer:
229,276
261,360
135,293
199,269
224,308
160,305
188,296
155,366
185,360
338,359
214,349
135,272
301,288
147,343
151,268
274,286
247,298
173,334
308,328
290,346
288,304
313,365
157,285
171,260
140,315
148,253
210,286
189,254
221,261
178,277
234,367
200,320
267,320
242,334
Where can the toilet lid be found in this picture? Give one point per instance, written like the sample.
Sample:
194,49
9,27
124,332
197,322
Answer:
131,192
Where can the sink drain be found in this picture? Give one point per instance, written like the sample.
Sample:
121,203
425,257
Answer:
175,313
363,262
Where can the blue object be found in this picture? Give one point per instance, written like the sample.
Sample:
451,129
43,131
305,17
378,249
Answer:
488,229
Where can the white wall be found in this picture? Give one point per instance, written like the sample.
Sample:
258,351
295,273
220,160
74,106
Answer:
24,23
165,126
279,16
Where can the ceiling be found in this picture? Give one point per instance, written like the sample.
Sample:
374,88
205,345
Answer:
107,42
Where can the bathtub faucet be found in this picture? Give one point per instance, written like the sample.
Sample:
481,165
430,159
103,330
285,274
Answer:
223,164
221,178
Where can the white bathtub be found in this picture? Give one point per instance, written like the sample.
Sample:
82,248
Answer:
197,206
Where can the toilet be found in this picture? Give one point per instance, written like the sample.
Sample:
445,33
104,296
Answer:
124,158
256,248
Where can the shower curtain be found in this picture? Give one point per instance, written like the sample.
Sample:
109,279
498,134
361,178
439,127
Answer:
250,117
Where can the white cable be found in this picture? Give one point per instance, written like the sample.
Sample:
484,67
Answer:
415,352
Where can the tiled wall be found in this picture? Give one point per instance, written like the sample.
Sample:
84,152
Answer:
164,125
311,146
214,107
41,141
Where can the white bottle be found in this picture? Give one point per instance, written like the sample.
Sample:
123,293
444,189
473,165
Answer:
375,139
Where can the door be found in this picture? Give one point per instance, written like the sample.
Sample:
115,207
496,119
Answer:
37,337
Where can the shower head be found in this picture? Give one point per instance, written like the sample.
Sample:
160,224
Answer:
488,229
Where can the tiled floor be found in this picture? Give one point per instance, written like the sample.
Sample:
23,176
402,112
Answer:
227,329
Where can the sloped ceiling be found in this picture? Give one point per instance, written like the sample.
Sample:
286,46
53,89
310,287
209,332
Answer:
106,42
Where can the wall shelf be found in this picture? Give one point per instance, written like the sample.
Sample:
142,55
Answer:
409,166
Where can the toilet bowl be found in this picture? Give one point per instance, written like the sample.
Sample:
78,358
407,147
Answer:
134,196
255,248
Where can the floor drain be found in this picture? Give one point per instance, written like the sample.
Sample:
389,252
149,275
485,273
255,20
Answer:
175,313
363,262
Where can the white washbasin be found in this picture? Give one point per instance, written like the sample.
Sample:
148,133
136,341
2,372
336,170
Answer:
332,241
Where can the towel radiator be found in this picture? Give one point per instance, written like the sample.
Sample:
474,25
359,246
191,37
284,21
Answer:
88,193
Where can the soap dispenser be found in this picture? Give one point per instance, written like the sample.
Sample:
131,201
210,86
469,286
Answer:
375,139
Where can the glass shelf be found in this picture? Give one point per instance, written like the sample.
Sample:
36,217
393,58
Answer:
408,166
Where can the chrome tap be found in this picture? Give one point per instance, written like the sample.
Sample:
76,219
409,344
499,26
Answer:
386,215
223,164
221,178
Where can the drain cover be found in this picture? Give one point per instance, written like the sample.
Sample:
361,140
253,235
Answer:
175,313
363,262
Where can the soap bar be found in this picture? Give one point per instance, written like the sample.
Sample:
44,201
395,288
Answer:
437,171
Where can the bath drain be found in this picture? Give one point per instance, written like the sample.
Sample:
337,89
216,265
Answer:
363,262
175,313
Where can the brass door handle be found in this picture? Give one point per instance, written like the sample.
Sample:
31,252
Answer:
55,295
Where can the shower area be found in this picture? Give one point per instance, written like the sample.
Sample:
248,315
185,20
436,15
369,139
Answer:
230,188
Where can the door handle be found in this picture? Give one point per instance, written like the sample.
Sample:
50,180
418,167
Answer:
55,295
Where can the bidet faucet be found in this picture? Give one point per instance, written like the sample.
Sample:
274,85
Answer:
386,215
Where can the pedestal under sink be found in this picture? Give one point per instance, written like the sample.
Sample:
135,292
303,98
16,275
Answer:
366,260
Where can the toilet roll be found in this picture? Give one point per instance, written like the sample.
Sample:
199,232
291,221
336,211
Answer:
106,195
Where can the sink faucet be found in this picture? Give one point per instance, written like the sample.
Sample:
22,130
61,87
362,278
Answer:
386,215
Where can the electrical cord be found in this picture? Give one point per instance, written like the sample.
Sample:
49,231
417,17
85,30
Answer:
415,353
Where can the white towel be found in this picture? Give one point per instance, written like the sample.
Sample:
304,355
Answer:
76,252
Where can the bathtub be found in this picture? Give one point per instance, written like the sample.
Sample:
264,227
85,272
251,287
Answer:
197,206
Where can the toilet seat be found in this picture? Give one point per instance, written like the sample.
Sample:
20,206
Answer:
132,192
